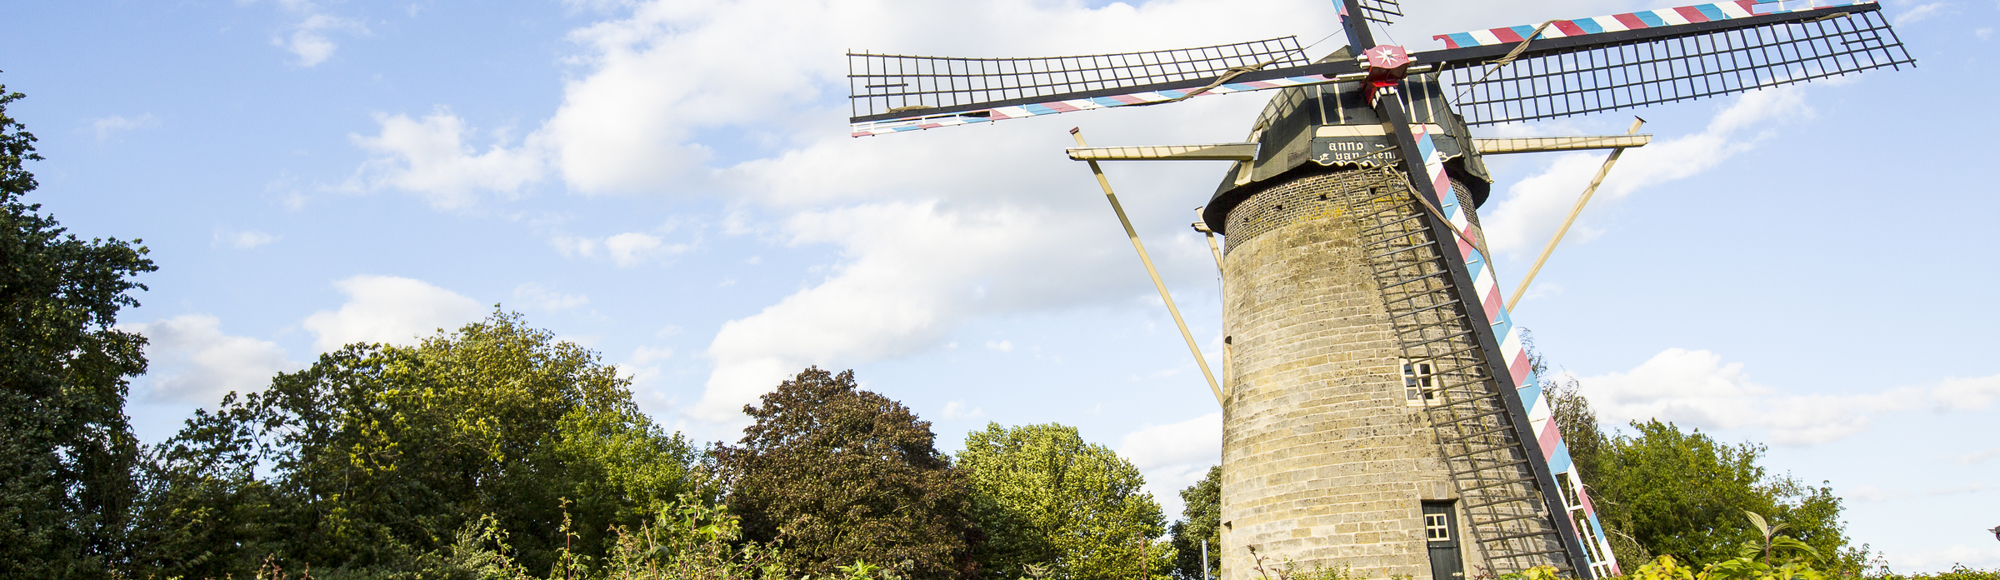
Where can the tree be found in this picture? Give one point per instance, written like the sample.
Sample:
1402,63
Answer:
377,456
1663,492
835,475
1684,495
66,450
1046,498
1200,520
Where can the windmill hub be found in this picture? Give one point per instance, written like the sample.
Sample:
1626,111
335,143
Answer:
1387,65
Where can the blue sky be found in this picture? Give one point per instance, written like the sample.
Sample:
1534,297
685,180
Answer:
671,184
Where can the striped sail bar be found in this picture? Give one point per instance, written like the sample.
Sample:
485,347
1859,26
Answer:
893,93
1589,65
1513,350
1739,9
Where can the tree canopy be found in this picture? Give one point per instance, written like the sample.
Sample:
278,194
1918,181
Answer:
1201,519
834,475
66,450
1047,499
377,455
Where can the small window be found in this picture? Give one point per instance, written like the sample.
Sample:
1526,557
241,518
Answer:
1437,528
1419,386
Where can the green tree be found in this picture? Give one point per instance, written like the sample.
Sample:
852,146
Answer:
1201,519
1044,497
66,450
379,455
835,475
1660,491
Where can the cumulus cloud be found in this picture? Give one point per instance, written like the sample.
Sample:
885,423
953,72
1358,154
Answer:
107,126
910,273
1920,13
242,240
1696,388
1174,456
1978,457
960,410
429,157
1529,212
627,249
193,361
537,297
391,310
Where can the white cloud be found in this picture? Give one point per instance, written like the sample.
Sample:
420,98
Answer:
308,39
1967,394
627,249
958,410
192,360
1870,493
1174,456
541,298
391,310
106,126
647,355
1921,13
1197,440
1696,388
631,248
910,273
1000,345
430,157
573,247
243,240
1984,33
1977,457
1529,212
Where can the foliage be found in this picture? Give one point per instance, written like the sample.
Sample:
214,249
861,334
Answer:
66,450
378,455
693,540
1201,519
1045,497
1683,494
1661,491
835,475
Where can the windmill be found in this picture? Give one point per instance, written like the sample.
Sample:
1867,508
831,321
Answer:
1379,408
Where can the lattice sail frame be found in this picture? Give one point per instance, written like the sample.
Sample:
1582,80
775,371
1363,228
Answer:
1586,78
883,84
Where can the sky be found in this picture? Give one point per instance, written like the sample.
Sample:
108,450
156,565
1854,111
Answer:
672,184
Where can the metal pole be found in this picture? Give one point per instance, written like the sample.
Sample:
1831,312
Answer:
1150,271
1204,559
1573,212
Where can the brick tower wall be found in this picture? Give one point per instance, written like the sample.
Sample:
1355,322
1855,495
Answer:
1324,461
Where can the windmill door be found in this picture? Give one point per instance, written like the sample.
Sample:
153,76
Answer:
1441,537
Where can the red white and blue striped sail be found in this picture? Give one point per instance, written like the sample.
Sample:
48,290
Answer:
1637,21
1514,351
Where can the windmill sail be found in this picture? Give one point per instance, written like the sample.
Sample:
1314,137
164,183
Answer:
894,93
1588,65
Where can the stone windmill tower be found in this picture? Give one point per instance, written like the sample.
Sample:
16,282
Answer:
1379,408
